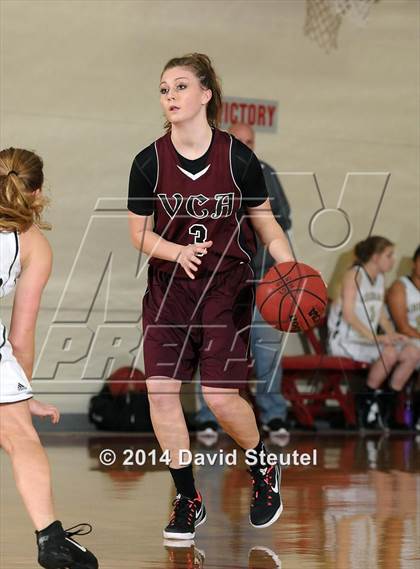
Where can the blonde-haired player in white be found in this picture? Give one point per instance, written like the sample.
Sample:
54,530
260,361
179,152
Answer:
25,265
353,329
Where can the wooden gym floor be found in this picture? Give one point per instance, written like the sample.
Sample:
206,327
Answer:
357,508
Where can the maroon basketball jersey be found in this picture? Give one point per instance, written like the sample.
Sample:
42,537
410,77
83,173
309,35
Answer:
207,206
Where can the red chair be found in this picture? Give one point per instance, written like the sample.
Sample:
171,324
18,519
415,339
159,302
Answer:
324,377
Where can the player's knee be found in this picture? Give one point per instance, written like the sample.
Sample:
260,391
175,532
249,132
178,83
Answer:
410,355
12,439
161,393
162,401
5,441
219,403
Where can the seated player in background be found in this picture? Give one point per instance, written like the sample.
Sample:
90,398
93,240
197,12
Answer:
353,331
403,301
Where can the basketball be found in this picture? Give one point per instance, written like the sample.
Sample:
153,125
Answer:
126,379
292,297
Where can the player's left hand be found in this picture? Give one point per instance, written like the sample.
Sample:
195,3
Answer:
44,410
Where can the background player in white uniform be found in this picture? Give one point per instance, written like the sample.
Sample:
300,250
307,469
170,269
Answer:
355,316
25,265
404,305
404,302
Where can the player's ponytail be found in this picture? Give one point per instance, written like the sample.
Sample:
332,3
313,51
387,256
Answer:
200,65
364,250
20,176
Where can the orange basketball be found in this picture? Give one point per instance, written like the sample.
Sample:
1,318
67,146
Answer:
292,297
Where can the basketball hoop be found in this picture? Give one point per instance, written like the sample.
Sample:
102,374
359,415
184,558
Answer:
358,10
324,18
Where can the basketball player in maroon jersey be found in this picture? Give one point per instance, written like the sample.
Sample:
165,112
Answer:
197,199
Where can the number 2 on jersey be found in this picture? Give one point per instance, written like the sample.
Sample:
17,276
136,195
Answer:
200,235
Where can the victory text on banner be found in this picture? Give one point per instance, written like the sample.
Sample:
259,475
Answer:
261,114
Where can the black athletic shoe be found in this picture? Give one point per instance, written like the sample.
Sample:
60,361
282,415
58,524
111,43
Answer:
207,433
186,516
276,427
56,549
266,504
277,431
367,410
387,402
208,428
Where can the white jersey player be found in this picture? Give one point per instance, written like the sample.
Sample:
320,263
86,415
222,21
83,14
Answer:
25,266
14,385
412,295
404,302
355,316
368,307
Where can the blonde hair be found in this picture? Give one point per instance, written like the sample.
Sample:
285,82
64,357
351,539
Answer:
20,175
200,65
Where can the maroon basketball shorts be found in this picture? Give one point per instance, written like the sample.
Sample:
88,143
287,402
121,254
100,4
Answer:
203,322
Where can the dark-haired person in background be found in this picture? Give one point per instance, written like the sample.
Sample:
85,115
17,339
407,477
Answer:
353,325
403,301
265,340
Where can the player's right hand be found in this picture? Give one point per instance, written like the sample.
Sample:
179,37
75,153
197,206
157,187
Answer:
44,410
188,258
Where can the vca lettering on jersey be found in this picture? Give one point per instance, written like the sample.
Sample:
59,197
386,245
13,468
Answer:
199,206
